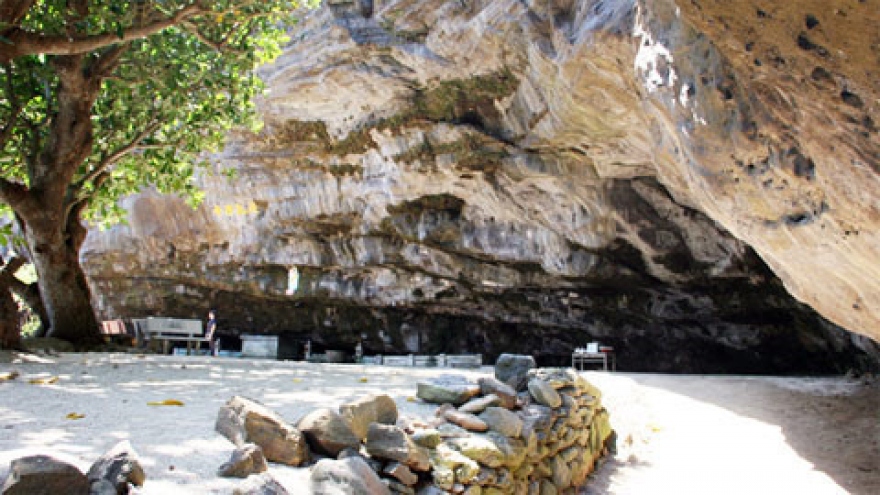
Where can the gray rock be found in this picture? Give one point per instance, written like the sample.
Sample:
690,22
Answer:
370,409
465,420
543,393
327,433
513,370
557,377
452,389
506,393
392,443
350,476
401,473
428,438
244,461
503,421
479,404
243,420
103,487
44,475
259,484
119,466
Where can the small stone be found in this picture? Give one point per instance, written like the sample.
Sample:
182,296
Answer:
454,389
480,449
513,370
399,488
327,433
506,394
401,473
561,473
548,488
259,484
428,438
449,430
350,476
543,393
103,487
243,420
479,404
44,475
244,461
370,409
463,468
503,421
120,466
392,443
465,420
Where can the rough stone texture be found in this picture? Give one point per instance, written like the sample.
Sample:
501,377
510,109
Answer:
370,409
392,443
452,389
503,421
350,476
119,466
327,432
493,386
465,420
506,176
43,475
262,484
243,420
479,404
543,393
244,461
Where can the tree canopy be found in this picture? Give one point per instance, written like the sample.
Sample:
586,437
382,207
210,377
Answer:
99,98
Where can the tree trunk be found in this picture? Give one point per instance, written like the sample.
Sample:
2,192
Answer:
63,286
10,330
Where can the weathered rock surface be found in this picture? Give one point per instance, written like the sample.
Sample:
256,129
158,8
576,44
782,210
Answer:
506,176
119,466
391,443
44,475
243,420
452,389
365,410
244,461
349,476
259,484
513,369
327,432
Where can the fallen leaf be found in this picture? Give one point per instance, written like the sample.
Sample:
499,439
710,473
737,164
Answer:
12,375
74,415
362,379
43,381
410,399
297,380
166,402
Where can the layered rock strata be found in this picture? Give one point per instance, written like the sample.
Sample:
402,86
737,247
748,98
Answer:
492,176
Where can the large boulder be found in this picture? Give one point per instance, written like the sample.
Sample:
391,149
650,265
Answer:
44,475
370,409
327,432
513,369
243,420
349,476
119,466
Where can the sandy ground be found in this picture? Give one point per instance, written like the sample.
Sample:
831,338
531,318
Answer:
677,434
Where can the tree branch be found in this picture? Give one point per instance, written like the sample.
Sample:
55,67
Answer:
115,156
13,193
30,43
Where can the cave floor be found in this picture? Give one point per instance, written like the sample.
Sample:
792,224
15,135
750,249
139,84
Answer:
676,433
699,434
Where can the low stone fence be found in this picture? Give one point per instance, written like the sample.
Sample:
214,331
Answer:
524,431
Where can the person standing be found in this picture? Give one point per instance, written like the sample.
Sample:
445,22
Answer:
209,332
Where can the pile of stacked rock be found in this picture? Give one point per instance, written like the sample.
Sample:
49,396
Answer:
524,431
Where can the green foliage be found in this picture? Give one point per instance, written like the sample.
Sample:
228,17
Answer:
171,97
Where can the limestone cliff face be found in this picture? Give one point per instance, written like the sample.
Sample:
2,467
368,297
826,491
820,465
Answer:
507,175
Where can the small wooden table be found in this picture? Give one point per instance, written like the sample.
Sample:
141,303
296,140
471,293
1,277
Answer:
579,359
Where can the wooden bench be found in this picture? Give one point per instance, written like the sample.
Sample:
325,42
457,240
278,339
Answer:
115,331
168,330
